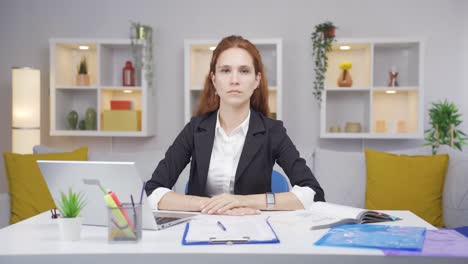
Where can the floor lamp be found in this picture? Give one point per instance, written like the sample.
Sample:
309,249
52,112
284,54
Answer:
26,109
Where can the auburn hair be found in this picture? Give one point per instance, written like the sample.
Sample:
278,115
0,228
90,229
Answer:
209,101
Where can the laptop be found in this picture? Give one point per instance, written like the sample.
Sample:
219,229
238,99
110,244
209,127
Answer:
120,177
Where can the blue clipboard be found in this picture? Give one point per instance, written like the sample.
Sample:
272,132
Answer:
243,240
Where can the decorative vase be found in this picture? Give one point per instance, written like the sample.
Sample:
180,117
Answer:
353,127
70,228
90,119
82,80
72,119
81,125
393,79
345,80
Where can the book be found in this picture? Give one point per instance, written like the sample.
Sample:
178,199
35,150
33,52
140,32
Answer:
120,105
375,236
325,215
335,214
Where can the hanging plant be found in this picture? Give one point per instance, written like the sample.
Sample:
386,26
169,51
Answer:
142,59
322,39
444,119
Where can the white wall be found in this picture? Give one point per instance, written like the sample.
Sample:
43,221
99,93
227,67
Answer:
464,88
26,26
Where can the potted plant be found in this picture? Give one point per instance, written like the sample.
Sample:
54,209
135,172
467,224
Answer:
444,120
70,206
82,78
322,39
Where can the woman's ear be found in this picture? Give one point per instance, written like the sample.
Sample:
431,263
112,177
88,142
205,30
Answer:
257,79
212,76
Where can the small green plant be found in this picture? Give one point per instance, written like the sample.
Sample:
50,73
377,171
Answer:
71,205
322,39
83,67
444,119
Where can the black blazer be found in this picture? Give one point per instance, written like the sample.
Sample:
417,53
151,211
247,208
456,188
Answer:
266,142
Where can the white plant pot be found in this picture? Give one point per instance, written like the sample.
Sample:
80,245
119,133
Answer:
70,228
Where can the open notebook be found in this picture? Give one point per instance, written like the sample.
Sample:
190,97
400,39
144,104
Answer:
229,231
325,215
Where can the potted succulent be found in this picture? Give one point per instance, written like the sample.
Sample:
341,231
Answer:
444,120
322,39
82,79
70,206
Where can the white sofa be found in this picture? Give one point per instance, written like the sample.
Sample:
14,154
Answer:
341,174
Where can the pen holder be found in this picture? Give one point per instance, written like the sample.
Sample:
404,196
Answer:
124,223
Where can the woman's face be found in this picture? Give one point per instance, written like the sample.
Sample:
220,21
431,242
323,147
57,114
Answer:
234,78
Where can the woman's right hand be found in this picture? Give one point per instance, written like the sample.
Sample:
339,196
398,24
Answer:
239,211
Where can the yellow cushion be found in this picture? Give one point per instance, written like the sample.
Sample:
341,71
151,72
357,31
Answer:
29,194
412,183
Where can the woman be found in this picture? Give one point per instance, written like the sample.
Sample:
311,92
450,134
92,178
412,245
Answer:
233,145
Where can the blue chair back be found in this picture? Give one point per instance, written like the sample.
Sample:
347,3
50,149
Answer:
278,183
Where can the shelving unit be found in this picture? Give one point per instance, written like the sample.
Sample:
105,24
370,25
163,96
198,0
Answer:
105,60
380,111
197,57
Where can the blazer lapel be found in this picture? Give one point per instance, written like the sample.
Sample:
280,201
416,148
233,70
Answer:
253,142
204,138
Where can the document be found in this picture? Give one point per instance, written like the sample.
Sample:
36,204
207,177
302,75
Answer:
229,231
325,215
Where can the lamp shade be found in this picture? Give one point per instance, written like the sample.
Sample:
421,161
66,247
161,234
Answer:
26,109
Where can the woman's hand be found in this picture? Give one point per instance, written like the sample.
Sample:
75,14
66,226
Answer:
242,211
221,203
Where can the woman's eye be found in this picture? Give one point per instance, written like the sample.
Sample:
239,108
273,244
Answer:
244,71
225,70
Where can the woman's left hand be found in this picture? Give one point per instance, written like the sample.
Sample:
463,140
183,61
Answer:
221,203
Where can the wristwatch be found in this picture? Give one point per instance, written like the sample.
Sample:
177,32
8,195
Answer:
270,201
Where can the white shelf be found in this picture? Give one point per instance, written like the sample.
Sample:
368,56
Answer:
347,89
384,112
370,135
197,57
87,133
71,87
106,59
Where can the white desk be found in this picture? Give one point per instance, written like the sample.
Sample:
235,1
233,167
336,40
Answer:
37,240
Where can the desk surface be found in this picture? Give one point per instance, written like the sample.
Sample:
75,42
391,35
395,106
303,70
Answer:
38,240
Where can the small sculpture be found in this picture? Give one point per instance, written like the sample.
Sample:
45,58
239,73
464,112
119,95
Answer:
72,119
393,77
90,119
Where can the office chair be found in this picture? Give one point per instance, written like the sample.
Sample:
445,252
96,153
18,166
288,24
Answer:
278,183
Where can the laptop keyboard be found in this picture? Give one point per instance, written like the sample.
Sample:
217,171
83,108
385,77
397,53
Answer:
164,220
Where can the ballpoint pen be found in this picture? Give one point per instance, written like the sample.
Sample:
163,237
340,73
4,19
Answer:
221,225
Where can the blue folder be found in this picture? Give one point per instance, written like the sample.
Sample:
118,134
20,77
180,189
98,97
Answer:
223,241
375,236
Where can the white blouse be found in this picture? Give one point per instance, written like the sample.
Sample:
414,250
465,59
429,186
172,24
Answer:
224,159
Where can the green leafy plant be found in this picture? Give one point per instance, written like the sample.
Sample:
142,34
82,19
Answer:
444,120
322,39
71,205
83,66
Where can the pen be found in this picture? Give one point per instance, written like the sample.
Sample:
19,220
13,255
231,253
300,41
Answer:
142,190
221,225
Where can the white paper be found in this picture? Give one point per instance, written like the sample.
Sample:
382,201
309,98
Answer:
202,230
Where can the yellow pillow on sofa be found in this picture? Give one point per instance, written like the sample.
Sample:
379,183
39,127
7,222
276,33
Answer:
412,183
29,194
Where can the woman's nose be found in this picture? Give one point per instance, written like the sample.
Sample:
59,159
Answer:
234,78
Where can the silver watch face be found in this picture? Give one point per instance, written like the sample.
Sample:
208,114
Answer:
270,200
